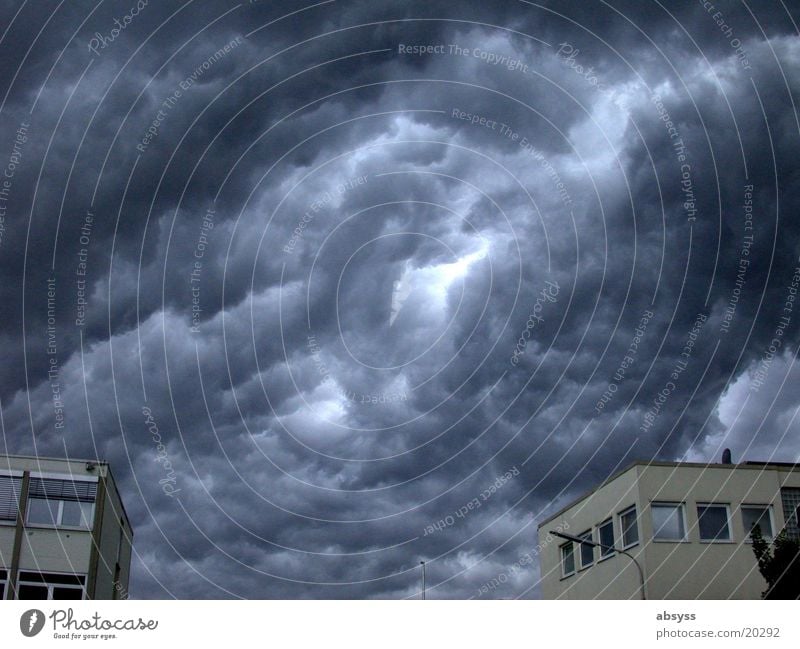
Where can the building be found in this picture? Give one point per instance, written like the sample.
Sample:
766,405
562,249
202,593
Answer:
685,525
64,533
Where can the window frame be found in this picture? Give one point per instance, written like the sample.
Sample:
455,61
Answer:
50,585
610,553
727,507
769,509
581,565
682,509
3,583
562,563
624,512
58,523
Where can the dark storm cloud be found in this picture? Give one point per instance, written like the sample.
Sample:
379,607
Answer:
368,239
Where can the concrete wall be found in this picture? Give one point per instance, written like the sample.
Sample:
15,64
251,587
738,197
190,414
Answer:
6,544
114,547
72,551
615,577
673,569
51,550
711,570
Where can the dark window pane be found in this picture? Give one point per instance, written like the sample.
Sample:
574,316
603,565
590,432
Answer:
51,578
42,512
567,559
606,538
630,531
60,592
587,551
27,591
77,514
713,523
752,516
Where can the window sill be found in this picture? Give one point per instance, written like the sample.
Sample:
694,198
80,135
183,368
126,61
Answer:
58,528
608,556
632,545
720,541
671,541
565,577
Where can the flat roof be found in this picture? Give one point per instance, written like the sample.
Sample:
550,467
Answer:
750,464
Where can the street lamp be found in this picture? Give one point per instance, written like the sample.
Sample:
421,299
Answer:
577,539
422,563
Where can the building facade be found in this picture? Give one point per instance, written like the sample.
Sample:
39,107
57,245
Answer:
686,525
64,533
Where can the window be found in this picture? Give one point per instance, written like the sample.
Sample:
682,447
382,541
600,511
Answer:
790,499
3,582
605,536
712,521
567,560
61,502
42,511
36,585
33,591
757,515
586,551
10,487
629,528
668,522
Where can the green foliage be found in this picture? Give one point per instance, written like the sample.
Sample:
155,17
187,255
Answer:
779,564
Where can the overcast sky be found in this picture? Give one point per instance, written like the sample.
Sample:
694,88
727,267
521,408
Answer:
315,276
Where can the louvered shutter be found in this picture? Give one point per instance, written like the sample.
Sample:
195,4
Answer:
63,489
10,487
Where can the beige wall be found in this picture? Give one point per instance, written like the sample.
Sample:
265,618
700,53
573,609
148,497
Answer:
111,552
709,570
613,578
673,570
6,544
51,550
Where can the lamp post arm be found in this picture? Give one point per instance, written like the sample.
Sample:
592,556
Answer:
639,568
